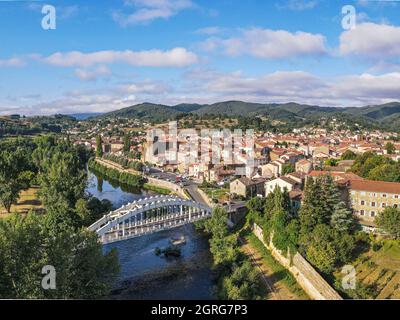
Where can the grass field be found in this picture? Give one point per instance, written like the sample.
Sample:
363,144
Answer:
378,271
157,189
28,200
221,194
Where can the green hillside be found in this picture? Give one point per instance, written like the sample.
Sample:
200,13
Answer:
379,116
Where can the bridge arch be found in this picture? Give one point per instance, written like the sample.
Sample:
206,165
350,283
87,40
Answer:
148,215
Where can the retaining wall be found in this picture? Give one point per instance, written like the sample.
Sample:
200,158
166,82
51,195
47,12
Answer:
307,277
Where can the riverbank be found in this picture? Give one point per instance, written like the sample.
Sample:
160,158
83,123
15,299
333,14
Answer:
124,176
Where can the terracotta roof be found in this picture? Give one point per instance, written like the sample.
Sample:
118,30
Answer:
247,182
341,177
296,194
375,186
289,180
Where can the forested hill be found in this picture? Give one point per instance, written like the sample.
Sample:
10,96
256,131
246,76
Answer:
379,115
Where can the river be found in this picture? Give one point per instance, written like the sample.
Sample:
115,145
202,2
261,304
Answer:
143,275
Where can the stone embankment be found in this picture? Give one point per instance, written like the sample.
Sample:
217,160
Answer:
307,277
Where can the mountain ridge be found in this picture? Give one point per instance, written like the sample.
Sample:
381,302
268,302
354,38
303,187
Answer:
384,114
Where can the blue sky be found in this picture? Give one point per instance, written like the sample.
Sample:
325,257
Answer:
105,55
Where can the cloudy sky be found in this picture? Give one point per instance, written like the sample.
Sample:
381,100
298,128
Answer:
105,55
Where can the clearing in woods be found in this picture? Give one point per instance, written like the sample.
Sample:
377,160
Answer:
28,200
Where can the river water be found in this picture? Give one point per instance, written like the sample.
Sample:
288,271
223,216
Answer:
143,275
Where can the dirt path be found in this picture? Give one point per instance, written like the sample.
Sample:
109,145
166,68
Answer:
276,289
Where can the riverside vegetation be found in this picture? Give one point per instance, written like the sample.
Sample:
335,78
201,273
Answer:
125,178
59,236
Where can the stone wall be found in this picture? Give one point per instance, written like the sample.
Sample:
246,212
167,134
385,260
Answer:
206,198
168,185
307,277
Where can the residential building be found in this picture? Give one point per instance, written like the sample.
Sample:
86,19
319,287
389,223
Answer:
368,198
246,187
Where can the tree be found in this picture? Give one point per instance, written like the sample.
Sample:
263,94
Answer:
256,204
368,161
99,146
62,183
331,162
385,172
287,168
217,224
12,179
348,155
324,222
390,148
320,250
342,219
127,143
242,284
389,221
28,244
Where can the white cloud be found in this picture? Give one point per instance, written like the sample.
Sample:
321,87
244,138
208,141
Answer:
145,87
371,40
367,87
270,44
149,10
298,86
177,57
92,74
209,86
12,62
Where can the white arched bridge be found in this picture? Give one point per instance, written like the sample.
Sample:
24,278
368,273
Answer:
148,215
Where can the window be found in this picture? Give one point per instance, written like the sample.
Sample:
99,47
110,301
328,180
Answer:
396,196
384,195
372,213
395,206
362,212
363,193
383,205
362,202
373,204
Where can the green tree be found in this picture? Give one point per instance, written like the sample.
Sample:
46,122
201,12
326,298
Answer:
287,168
331,162
242,284
62,183
385,172
342,218
320,250
389,221
368,161
390,148
348,155
28,244
99,147
127,143
12,179
217,224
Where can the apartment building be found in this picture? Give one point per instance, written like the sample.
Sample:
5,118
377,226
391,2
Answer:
369,198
